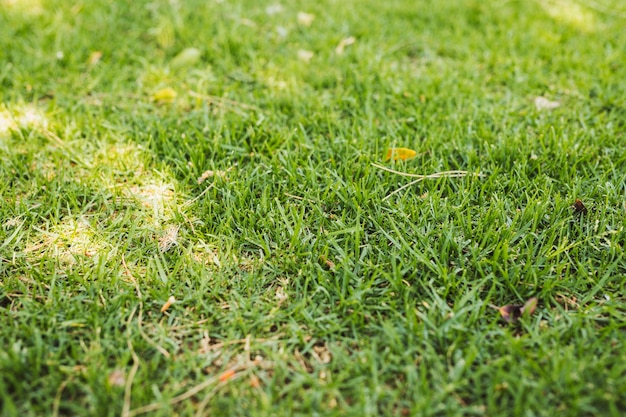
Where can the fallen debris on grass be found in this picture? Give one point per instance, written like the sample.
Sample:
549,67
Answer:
419,177
511,313
579,207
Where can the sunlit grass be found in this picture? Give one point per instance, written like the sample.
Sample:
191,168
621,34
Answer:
22,116
72,238
6,122
571,12
28,7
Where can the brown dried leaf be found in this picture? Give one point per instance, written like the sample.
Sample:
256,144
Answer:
209,174
530,306
328,264
512,312
579,207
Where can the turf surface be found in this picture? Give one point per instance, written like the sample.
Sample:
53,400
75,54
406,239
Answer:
228,154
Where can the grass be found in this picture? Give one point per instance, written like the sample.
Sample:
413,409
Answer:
252,198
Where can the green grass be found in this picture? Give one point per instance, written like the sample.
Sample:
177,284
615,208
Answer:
289,265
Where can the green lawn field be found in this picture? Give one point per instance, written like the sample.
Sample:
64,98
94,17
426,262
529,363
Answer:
206,208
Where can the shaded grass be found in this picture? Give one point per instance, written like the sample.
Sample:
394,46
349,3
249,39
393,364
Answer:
288,265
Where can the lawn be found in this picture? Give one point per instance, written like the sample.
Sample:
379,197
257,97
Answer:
198,215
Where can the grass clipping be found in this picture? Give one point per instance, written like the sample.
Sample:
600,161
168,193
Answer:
418,177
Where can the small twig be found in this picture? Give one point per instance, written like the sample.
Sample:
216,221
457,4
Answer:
455,173
132,278
443,174
200,412
190,202
57,398
186,395
223,101
190,325
300,198
235,372
116,95
246,348
421,179
63,145
295,196
131,376
146,338
139,318
189,222
238,342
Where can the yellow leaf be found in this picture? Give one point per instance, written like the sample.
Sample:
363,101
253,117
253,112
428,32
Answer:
402,154
164,95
